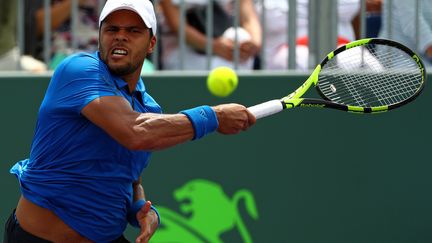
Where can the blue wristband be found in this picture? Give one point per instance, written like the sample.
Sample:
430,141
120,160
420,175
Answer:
203,119
157,213
131,215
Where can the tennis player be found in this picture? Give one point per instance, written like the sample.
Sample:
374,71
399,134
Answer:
95,131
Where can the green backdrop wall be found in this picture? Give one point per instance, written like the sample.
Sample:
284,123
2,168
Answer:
305,175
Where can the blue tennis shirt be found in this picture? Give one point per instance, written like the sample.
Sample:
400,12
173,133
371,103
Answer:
75,169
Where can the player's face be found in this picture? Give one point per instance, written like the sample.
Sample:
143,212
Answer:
124,42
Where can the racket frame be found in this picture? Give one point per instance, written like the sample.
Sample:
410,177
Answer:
294,99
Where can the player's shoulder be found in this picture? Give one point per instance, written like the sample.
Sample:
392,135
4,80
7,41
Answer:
80,60
80,66
80,63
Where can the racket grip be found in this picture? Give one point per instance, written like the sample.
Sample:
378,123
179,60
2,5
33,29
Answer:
266,109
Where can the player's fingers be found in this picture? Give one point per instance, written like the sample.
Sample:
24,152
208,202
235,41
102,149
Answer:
251,117
144,210
234,118
146,207
248,119
138,240
245,126
143,238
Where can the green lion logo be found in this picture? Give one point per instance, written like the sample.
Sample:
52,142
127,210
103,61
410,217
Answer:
207,212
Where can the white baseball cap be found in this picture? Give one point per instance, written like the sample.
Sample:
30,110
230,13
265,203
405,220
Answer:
144,8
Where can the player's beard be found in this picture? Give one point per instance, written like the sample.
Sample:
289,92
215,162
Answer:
124,69
118,70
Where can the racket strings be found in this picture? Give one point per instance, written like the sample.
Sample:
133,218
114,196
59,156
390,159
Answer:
370,90
370,76
383,92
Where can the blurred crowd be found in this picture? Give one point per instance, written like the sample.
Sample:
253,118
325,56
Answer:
241,47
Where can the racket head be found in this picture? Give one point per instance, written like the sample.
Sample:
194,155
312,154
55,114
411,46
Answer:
370,75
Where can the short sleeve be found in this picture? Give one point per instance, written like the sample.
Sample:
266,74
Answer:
77,81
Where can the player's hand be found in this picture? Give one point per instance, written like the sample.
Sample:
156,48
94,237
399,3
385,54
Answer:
148,221
233,118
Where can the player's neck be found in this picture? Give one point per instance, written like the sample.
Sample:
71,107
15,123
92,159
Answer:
132,80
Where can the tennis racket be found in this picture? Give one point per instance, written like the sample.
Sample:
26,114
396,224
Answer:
364,76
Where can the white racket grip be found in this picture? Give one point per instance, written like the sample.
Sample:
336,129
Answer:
266,109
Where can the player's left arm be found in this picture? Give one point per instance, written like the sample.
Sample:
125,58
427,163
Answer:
146,216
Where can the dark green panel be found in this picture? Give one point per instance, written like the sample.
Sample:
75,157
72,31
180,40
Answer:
316,175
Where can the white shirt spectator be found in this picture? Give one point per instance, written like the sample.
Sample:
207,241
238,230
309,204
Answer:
403,24
276,47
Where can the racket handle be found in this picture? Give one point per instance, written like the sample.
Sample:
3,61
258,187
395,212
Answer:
266,109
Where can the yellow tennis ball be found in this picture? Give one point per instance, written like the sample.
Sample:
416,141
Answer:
222,81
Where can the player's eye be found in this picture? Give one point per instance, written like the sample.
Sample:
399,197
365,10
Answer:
135,30
111,29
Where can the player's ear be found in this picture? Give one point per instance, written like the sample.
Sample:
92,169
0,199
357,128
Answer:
152,44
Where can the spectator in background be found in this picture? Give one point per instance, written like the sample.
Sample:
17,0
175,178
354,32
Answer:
249,34
10,58
276,49
9,52
87,28
373,19
403,24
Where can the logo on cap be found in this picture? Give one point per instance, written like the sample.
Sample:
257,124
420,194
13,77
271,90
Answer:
130,5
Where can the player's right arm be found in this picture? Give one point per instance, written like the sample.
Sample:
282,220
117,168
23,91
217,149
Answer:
150,131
